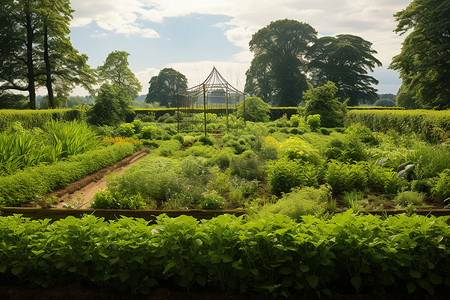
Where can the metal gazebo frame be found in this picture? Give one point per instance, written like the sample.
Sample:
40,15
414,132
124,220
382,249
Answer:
214,92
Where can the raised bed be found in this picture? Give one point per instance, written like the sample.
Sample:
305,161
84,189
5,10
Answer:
150,215
112,214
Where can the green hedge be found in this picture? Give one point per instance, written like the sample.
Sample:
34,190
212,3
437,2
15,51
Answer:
33,183
359,253
37,118
433,126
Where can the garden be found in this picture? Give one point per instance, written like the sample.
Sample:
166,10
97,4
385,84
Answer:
306,185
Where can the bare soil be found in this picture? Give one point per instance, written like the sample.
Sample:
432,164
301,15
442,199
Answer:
80,194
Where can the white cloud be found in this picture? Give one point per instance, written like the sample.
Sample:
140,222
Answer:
372,20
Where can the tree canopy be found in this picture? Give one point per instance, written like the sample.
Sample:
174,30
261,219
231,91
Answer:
115,71
278,67
345,60
424,60
287,54
165,86
36,49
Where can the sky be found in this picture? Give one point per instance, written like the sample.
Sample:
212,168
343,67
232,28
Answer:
192,36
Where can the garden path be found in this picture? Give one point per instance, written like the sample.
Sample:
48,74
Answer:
84,194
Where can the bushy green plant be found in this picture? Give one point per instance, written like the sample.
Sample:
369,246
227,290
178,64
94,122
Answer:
241,189
441,191
169,148
248,166
321,100
406,198
346,149
301,202
353,200
344,177
212,200
222,158
313,122
116,200
150,132
283,175
253,109
137,126
296,120
206,140
126,130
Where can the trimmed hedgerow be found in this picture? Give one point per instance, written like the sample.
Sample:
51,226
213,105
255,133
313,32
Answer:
33,183
37,118
431,125
275,255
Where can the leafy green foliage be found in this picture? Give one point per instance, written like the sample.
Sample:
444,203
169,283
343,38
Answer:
277,69
253,109
429,125
321,100
111,107
165,86
406,198
248,165
300,202
345,60
313,122
60,140
442,188
32,183
115,72
116,200
272,255
212,200
423,62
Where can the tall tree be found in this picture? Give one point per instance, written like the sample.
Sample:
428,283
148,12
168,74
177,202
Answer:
279,62
116,72
165,86
424,60
18,31
36,49
345,60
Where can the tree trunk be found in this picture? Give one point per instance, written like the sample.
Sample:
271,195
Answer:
48,70
30,67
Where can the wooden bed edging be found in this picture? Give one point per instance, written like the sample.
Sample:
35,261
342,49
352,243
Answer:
150,215
112,214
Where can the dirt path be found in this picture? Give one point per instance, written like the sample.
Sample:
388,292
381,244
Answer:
80,194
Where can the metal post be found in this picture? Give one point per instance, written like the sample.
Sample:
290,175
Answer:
204,107
178,112
244,111
226,102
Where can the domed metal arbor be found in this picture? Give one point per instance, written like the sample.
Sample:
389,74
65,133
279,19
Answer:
213,93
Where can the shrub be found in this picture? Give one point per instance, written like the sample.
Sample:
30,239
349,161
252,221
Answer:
301,202
222,158
126,130
150,132
169,148
283,175
322,101
248,166
212,200
295,120
206,140
406,198
111,107
442,188
344,177
313,122
253,109
296,148
363,133
116,200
